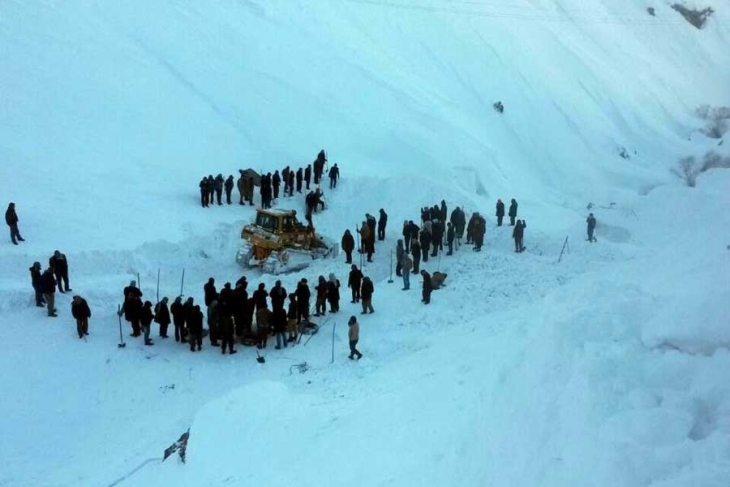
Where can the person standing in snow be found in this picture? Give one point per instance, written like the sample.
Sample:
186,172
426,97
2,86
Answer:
290,182
276,183
218,183
458,219
437,236
399,253
450,234
162,316
353,334
333,293
406,236
366,292
406,266
145,319
11,219
334,176
319,166
48,287
307,176
80,310
591,222
250,184
195,329
291,318
59,264
479,228
512,212
212,313
209,291
354,282
382,223
279,323
416,253
365,237
211,189
35,279
229,188
241,185
425,241
500,212
518,234
226,329
204,192
178,319
303,294
320,302
300,177
443,212
348,245
427,287
132,307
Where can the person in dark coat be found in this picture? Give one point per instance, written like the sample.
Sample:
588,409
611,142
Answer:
178,319
291,183
425,241
479,228
427,287
262,312
145,319
276,183
303,294
241,185
218,184
450,234
211,189
415,230
213,320
334,176
188,311
300,177
204,192
80,310
308,175
11,219
333,293
48,288
320,302
250,184
279,323
500,212
226,330
518,234
406,236
443,212
354,282
591,222
416,253
278,296
132,307
382,222
210,292
399,253
59,264
35,279
437,237
470,228
367,290
319,166
458,219
240,308
229,188
285,179
512,212
195,329
162,316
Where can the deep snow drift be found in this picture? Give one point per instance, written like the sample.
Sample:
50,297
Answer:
605,369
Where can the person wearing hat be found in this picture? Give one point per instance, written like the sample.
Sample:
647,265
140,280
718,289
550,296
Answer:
11,218
353,333
80,310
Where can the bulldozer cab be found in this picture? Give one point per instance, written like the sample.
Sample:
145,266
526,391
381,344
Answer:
278,222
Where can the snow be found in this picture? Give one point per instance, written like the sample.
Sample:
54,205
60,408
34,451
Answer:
606,368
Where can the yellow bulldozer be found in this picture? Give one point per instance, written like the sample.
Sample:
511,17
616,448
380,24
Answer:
277,243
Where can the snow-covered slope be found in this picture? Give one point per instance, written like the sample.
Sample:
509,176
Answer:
605,369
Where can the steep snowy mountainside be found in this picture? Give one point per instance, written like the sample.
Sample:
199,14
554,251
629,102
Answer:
106,95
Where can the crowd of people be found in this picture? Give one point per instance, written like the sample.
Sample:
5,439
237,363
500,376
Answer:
270,185
232,316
